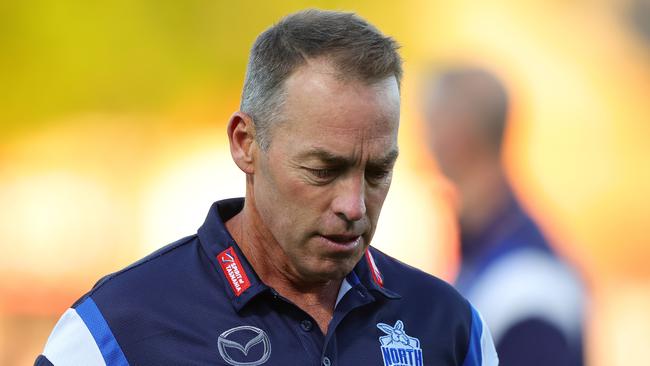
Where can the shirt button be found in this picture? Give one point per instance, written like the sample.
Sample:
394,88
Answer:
306,325
326,361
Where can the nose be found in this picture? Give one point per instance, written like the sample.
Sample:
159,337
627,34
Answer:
350,203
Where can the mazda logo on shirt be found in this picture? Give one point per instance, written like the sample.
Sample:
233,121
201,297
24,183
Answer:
244,346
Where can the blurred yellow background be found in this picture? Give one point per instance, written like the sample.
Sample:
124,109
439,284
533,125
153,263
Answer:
112,141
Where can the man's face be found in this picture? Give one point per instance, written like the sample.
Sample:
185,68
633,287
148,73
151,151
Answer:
321,184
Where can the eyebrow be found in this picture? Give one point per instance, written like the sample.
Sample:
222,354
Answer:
387,160
330,158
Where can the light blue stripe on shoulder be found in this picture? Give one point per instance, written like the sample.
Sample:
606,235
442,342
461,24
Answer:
108,346
481,351
474,354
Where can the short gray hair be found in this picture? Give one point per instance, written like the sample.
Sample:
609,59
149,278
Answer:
356,48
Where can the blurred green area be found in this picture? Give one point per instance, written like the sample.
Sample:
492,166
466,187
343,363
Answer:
67,57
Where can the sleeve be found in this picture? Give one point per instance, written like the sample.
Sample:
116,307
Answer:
82,337
481,350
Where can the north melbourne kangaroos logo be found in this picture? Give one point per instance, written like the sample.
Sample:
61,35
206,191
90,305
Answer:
397,348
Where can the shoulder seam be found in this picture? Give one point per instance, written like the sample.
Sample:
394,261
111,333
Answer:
138,263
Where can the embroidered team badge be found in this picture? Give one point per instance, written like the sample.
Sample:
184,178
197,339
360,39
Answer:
397,348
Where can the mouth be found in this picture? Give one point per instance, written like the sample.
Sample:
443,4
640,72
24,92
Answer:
341,243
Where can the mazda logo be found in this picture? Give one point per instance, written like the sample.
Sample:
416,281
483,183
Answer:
244,346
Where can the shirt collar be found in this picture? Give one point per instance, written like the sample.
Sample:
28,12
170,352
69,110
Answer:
370,275
242,283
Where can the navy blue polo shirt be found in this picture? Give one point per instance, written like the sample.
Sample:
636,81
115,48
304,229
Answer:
199,302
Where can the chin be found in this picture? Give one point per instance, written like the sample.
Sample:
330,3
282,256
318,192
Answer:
331,272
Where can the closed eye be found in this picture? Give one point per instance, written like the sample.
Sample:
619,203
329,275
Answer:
323,174
377,176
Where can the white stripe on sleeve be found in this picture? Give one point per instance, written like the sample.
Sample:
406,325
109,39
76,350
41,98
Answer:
71,343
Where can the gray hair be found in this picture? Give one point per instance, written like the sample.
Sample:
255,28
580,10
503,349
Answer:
357,50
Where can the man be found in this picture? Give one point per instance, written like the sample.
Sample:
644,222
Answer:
286,276
530,299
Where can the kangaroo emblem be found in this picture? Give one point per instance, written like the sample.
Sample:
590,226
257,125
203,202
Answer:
397,347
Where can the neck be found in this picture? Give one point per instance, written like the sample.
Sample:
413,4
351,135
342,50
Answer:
484,193
258,245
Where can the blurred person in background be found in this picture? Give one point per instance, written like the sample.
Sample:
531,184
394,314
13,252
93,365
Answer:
531,300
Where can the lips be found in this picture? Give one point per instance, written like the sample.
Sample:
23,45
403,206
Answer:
341,244
342,239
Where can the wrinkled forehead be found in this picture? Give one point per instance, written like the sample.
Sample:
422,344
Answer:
349,119
316,91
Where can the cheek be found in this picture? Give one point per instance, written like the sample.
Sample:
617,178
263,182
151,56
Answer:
375,200
307,200
292,205
271,200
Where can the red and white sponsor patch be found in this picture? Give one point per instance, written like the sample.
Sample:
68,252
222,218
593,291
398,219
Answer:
376,275
233,270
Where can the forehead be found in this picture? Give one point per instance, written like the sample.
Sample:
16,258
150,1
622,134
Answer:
318,98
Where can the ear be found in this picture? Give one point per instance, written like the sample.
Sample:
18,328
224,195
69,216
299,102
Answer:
241,134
